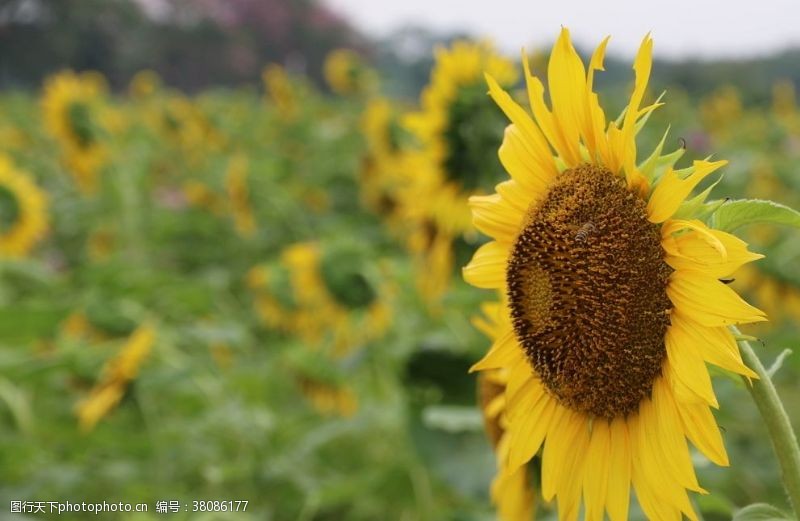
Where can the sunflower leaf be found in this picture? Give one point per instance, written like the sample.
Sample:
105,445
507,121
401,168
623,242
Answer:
741,212
759,512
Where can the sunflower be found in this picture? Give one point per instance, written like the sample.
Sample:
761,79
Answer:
280,90
239,196
345,73
23,211
144,84
457,129
328,295
72,106
612,298
117,374
381,167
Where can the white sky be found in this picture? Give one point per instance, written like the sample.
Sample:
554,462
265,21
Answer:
680,28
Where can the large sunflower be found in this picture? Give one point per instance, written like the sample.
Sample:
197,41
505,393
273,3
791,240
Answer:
23,211
612,297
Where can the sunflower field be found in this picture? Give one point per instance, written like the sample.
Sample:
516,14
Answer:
257,303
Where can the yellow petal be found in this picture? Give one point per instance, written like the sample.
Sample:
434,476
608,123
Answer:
641,66
559,446
528,429
709,301
715,344
595,482
567,86
516,196
594,122
619,476
535,142
495,217
659,494
712,251
685,359
503,353
543,116
702,430
671,191
670,436
522,164
487,269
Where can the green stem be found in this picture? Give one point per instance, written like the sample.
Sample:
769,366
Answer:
784,441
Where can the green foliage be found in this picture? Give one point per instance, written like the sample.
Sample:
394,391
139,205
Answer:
732,214
759,512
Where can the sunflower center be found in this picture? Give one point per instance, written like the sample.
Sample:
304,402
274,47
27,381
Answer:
9,209
473,132
343,272
80,120
587,288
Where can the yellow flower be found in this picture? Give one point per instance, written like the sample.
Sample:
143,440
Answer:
23,211
381,167
458,129
280,90
329,398
346,74
117,373
612,299
322,295
722,110
144,84
72,105
238,195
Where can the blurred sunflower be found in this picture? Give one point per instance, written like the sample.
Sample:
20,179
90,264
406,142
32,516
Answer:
458,129
280,90
23,211
721,111
239,196
346,73
381,168
144,84
117,374
614,302
326,384
72,106
327,294
182,123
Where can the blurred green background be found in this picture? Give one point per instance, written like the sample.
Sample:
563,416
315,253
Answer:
215,302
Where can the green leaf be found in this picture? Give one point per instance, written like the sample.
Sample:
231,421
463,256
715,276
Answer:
759,512
734,214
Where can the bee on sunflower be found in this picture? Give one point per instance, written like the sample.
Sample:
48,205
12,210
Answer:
23,211
72,107
612,301
457,129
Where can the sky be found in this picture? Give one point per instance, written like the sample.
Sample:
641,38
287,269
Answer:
680,28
